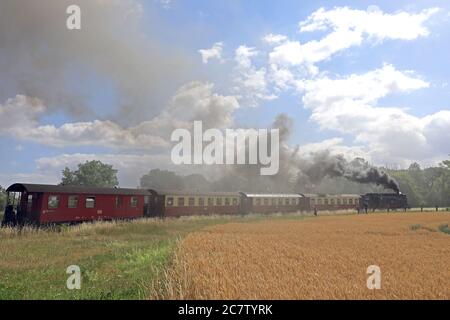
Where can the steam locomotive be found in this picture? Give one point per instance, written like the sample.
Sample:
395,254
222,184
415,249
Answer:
388,201
44,204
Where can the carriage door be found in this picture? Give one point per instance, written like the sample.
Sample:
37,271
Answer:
151,206
147,206
244,206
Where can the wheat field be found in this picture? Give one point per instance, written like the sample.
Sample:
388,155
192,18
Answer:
314,258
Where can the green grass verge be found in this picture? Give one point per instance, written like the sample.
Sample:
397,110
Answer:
118,260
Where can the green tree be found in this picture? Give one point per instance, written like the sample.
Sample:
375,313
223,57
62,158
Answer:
196,182
91,173
162,180
2,198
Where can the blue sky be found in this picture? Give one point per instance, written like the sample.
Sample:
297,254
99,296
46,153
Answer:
114,90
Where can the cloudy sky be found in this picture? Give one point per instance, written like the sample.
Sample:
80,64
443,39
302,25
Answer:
361,78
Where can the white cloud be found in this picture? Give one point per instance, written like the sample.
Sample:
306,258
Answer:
368,87
293,53
282,78
274,38
348,28
349,105
19,113
193,101
373,23
19,117
251,83
243,56
213,53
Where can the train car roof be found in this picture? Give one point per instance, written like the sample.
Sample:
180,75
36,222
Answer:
45,188
196,193
272,195
330,195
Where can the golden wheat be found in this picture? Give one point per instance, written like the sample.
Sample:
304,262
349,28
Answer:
316,258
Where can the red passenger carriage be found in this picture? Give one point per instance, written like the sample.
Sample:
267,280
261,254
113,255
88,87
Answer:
41,204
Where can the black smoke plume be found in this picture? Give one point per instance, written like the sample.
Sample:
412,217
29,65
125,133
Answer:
323,164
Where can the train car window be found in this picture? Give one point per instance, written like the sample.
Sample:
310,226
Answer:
201,202
273,201
134,202
210,202
331,201
338,201
180,201
73,202
29,202
266,201
286,202
235,201
118,202
280,202
326,201
191,202
218,201
170,201
258,201
345,201
350,201
227,201
90,202
53,202
356,201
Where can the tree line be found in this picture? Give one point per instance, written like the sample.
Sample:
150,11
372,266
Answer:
426,187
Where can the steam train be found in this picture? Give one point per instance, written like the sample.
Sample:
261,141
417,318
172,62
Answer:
46,204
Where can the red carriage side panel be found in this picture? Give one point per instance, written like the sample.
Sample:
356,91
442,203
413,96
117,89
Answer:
55,204
90,207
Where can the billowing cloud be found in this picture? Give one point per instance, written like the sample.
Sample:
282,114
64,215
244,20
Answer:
371,23
347,28
368,87
349,105
215,52
19,117
251,83
20,113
